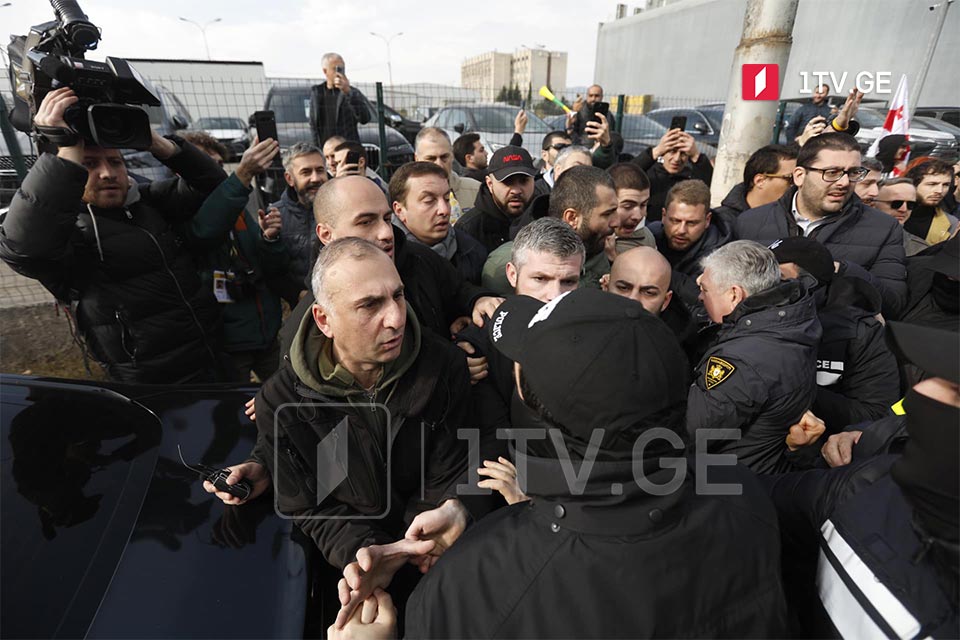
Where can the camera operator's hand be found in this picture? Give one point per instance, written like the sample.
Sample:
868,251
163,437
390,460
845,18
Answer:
256,159
50,114
341,82
161,148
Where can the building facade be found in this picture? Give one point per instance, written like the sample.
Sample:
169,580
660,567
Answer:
526,69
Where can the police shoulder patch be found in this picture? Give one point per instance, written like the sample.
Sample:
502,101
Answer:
717,371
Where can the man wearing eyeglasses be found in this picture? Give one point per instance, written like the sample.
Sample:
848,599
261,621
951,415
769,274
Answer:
766,176
553,143
863,241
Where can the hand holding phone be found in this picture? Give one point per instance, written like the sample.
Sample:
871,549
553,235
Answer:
679,122
600,107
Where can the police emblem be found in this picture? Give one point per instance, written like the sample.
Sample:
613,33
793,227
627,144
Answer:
717,371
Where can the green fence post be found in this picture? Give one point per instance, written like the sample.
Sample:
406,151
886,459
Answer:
778,123
19,164
381,118
618,125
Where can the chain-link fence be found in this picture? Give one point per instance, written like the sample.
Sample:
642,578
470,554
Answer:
222,104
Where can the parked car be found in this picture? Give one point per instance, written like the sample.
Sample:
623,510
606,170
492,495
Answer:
923,141
407,127
703,123
936,125
947,114
494,123
107,534
231,132
171,116
291,107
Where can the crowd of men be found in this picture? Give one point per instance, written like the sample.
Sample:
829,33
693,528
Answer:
572,398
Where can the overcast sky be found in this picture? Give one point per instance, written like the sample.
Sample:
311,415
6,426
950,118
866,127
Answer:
289,36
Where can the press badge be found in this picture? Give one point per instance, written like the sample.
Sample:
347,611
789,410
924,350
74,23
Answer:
220,279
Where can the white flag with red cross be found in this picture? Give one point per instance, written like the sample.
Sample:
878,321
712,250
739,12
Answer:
897,122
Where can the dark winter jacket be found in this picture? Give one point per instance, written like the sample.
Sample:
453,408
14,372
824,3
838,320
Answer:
934,297
488,224
468,256
251,319
735,202
686,265
759,376
142,309
858,234
298,234
855,561
434,289
661,180
631,565
334,114
371,488
803,115
857,378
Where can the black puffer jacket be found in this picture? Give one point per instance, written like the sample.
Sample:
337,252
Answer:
141,307
759,376
298,234
735,202
858,234
486,223
686,265
661,180
857,378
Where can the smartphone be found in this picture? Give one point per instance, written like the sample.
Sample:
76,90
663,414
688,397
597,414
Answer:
679,122
600,107
353,157
339,69
523,105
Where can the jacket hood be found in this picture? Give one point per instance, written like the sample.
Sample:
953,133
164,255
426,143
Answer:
849,291
312,361
786,311
737,198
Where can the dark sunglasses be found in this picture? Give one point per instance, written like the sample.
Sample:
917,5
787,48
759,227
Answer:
559,146
896,204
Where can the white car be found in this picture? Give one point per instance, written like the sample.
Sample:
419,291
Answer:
231,132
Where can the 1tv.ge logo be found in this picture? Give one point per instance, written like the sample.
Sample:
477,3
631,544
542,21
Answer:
760,82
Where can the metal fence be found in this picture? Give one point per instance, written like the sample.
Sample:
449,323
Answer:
206,102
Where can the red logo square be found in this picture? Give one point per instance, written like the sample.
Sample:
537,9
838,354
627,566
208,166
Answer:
761,82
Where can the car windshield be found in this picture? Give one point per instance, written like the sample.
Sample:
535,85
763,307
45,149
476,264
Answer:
290,107
640,126
714,116
500,120
869,118
220,123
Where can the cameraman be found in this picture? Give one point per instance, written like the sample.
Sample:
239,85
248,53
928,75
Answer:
88,233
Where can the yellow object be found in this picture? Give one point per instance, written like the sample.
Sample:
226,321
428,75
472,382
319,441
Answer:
548,95
898,408
833,123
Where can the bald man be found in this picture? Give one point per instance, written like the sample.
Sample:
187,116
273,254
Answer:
643,274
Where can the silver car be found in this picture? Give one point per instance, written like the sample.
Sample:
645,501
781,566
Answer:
494,123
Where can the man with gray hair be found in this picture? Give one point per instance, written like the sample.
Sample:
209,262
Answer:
433,145
336,107
572,156
759,374
305,172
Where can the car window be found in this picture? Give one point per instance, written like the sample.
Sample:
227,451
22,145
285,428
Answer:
869,118
458,116
714,117
290,107
663,116
640,126
219,123
953,117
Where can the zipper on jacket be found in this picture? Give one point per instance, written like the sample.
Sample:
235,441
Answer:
123,338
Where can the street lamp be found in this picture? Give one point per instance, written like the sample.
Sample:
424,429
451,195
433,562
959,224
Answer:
203,31
387,41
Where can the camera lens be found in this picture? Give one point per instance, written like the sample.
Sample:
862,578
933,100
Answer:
119,126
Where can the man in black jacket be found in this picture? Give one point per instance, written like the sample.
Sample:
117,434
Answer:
88,233
336,107
353,206
766,177
864,242
502,199
420,197
688,232
565,563
857,379
759,375
674,159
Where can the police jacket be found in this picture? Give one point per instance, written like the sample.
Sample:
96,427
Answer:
141,307
759,376
433,287
686,265
628,565
353,475
858,234
857,377
661,180
875,574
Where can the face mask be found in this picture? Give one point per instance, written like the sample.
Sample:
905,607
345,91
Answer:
929,471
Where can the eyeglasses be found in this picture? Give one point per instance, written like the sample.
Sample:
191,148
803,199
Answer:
896,204
833,174
559,146
783,176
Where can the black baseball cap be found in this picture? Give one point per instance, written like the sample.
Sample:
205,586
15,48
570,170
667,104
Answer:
808,254
509,161
592,358
935,351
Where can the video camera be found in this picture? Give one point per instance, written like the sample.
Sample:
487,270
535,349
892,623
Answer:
51,56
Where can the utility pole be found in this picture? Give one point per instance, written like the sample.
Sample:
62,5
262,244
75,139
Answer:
387,40
767,38
942,7
203,32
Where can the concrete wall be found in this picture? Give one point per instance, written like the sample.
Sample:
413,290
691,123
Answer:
686,49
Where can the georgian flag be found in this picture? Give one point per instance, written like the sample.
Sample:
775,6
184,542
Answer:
898,121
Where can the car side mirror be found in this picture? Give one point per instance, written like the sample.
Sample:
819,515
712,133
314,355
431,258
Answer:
699,127
179,122
459,127
395,119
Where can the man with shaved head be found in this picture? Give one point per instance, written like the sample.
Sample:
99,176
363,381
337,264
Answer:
354,207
